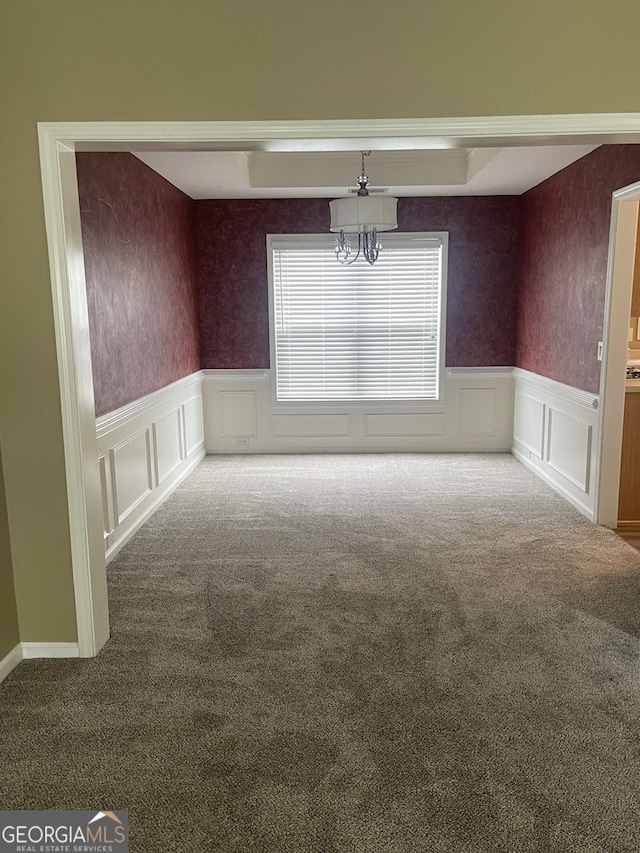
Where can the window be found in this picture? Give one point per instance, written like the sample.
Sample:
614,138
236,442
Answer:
357,332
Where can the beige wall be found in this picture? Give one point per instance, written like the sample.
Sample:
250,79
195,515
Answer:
73,60
9,633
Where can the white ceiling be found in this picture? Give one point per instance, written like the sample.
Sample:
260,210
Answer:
450,172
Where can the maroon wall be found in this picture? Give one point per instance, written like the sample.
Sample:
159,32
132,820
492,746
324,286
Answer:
484,236
564,265
137,232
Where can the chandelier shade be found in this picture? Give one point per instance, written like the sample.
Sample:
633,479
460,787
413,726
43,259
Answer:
359,214
363,215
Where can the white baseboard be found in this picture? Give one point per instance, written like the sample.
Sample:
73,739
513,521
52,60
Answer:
30,651
33,651
160,496
10,661
555,485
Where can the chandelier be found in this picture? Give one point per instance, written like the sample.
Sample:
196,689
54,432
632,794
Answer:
364,215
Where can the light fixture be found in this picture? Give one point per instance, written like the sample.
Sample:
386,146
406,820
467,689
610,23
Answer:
364,215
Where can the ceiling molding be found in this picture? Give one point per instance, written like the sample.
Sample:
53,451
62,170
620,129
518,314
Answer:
487,171
349,135
384,168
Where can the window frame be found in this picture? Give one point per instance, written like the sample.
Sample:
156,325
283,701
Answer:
328,240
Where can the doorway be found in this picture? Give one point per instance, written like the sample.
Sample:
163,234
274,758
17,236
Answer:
58,144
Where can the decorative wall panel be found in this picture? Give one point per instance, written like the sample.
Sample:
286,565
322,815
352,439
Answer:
167,439
555,434
357,427
528,428
314,426
131,472
568,444
477,411
239,414
152,444
393,424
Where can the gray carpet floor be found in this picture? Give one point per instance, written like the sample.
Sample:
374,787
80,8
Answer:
351,654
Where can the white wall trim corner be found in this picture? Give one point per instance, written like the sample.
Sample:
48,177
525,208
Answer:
34,651
31,651
567,392
121,416
10,661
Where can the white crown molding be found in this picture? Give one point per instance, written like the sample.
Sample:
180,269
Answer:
567,392
118,417
10,661
349,134
31,651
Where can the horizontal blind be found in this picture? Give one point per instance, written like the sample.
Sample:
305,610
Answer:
360,332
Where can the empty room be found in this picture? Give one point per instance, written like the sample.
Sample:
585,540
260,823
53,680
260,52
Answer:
320,357
357,600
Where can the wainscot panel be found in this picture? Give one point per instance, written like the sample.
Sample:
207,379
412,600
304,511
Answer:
145,450
555,434
475,414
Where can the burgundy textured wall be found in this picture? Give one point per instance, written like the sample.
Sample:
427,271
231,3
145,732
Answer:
564,265
137,231
484,238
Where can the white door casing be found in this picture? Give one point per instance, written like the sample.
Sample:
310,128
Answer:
58,143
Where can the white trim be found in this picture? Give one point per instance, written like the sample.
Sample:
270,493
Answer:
570,472
233,375
620,260
30,651
180,406
119,417
296,135
161,496
10,661
57,144
555,485
567,392
583,484
64,239
479,373
233,426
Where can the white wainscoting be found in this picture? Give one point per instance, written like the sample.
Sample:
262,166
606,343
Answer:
555,434
476,414
145,450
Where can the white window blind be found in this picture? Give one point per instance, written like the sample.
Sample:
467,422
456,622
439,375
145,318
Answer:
362,332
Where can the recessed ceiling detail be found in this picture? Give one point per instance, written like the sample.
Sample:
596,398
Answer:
453,171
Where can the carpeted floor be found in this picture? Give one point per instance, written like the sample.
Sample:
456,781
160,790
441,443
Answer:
351,654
